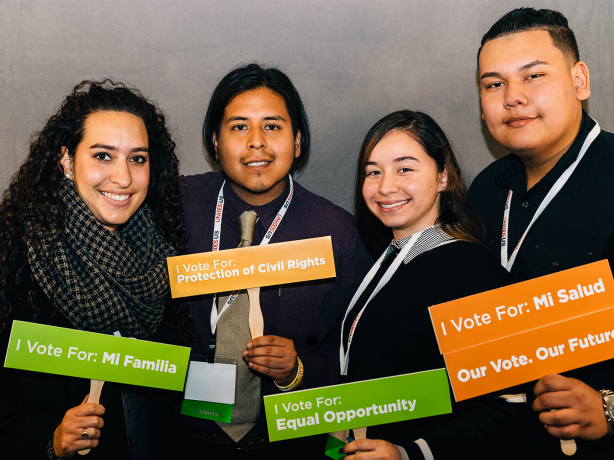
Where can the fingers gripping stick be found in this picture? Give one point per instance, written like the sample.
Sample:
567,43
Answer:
568,446
95,389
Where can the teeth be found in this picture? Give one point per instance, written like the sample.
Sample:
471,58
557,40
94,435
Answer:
394,205
116,197
258,163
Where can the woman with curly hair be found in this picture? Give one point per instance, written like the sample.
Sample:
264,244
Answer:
86,226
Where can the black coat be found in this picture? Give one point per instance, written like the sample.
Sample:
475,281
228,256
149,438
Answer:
395,336
33,404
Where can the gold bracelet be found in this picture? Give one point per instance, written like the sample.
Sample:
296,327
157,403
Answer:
297,380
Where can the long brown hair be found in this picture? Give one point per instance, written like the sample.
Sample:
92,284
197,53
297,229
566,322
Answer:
456,214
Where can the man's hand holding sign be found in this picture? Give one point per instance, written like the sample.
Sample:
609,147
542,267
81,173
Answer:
564,414
274,357
247,267
535,330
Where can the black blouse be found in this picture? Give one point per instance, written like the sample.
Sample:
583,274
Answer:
32,404
395,336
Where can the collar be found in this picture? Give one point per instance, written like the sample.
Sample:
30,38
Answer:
235,206
430,238
514,175
394,244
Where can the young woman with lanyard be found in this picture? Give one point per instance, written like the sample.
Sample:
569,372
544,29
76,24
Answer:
410,190
86,226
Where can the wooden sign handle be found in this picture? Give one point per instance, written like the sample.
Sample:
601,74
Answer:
95,390
256,321
341,435
568,446
360,433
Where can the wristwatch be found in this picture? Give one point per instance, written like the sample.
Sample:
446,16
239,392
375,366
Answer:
608,409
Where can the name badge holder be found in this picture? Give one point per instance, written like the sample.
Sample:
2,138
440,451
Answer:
210,389
211,383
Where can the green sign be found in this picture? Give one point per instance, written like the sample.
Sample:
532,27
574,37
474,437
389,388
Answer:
208,410
356,405
57,350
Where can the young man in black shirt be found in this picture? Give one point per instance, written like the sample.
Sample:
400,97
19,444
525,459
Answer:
552,195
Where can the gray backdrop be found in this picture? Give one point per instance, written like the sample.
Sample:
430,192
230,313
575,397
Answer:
352,61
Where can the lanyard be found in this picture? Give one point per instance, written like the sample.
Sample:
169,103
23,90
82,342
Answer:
345,357
217,233
558,185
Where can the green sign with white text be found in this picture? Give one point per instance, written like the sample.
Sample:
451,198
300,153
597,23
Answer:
57,350
357,405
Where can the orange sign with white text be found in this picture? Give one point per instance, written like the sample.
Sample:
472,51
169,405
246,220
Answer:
519,333
254,266
528,356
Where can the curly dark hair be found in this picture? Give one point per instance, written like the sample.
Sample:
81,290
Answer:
33,191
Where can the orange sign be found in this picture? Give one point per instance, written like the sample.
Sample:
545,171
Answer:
496,339
255,266
520,358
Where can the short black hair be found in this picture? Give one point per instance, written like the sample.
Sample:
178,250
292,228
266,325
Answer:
524,19
246,78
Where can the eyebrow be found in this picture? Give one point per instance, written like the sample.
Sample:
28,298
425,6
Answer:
110,147
406,158
524,67
240,118
395,160
533,64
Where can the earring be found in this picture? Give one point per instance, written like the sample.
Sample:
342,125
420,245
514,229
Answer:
67,176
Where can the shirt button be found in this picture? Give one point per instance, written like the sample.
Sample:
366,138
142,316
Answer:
555,264
525,204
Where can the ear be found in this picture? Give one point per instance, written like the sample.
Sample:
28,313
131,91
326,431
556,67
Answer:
66,163
297,145
582,81
443,180
482,115
215,146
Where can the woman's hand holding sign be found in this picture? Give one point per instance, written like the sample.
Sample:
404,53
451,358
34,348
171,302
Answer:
372,449
569,408
69,436
273,356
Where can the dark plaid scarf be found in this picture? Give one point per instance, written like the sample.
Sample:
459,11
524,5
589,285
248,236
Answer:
103,281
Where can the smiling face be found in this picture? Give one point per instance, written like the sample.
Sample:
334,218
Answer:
530,93
256,146
402,185
110,168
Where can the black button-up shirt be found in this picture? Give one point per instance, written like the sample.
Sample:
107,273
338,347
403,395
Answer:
577,226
